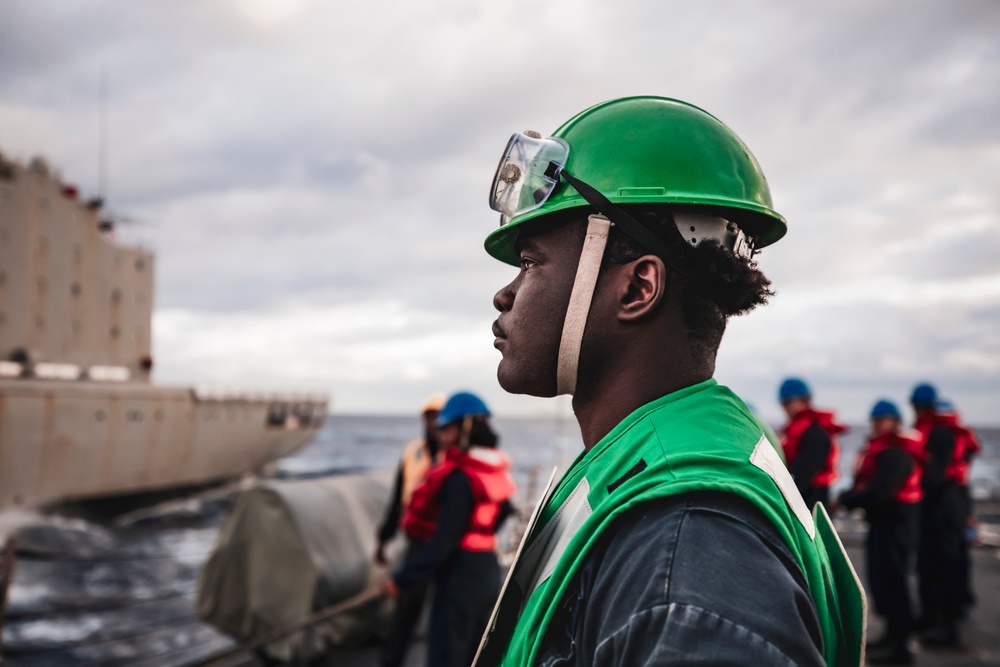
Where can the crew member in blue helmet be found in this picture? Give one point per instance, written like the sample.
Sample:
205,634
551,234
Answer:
456,512
809,440
959,469
887,487
942,556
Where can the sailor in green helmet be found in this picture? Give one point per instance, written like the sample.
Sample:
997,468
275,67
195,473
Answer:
677,536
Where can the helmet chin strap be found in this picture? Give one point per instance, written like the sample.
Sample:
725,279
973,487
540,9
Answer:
466,434
580,299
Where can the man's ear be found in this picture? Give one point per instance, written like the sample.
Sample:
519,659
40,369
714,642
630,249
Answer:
643,288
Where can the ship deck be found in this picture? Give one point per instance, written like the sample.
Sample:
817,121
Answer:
981,631
90,613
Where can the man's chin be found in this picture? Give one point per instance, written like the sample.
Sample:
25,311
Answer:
519,383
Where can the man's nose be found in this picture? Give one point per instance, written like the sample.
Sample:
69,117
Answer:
504,298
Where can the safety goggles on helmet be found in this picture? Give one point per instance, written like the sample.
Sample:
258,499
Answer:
527,174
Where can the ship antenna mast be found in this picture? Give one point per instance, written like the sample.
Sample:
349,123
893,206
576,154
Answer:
102,137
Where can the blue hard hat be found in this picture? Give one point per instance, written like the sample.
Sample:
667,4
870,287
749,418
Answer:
793,388
924,394
885,408
460,405
944,407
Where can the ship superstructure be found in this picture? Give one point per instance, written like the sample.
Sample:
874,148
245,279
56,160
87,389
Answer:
79,416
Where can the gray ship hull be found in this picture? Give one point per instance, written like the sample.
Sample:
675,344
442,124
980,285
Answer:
71,440
79,415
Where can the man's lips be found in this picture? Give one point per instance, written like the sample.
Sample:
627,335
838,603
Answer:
499,333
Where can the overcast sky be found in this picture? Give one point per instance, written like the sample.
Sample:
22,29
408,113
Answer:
313,177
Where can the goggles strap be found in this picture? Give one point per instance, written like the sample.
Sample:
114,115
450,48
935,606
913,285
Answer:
598,228
627,223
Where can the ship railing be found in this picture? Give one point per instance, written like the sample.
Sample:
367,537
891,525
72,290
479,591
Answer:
109,373
47,370
211,394
51,371
288,412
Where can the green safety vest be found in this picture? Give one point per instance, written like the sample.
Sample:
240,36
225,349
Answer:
701,438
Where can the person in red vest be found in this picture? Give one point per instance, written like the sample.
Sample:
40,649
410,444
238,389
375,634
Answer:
887,487
456,512
809,441
966,449
942,561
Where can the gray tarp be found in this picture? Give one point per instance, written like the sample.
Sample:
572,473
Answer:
292,547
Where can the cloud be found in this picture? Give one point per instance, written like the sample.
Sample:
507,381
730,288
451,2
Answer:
311,160
372,356
857,341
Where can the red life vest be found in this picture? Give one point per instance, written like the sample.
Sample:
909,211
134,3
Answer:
791,438
910,492
966,446
488,471
924,425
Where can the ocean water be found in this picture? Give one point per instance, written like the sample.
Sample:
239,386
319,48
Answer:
536,445
114,582
375,442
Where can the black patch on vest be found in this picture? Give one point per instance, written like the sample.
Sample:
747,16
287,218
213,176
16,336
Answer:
636,469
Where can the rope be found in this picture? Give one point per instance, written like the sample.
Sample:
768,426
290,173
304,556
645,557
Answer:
168,657
225,657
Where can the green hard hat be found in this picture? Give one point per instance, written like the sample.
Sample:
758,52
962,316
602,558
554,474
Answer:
656,150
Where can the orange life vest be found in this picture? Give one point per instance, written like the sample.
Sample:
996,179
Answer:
488,471
791,438
910,492
415,463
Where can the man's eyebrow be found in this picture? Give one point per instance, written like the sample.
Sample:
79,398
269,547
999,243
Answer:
526,244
